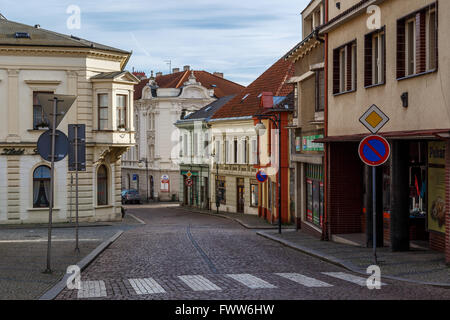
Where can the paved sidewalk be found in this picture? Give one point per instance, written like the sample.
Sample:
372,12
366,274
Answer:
418,266
23,255
246,220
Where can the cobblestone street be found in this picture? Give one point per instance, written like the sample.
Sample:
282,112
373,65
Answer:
185,255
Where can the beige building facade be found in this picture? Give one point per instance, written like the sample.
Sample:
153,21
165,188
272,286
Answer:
32,61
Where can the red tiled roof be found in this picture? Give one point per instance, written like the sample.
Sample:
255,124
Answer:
272,80
223,87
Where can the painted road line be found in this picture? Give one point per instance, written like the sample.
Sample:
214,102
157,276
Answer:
199,283
304,280
350,278
146,286
251,281
92,289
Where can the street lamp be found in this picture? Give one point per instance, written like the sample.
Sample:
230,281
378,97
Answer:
260,129
141,164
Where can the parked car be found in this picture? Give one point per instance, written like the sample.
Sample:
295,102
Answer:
131,196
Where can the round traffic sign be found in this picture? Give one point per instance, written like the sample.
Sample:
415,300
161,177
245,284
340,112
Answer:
189,182
374,150
44,145
261,176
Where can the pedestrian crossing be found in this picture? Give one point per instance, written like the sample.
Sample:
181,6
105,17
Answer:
201,283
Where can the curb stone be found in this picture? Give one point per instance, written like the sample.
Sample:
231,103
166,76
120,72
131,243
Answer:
57,288
342,263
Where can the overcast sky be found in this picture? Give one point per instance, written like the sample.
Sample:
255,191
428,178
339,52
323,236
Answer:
240,38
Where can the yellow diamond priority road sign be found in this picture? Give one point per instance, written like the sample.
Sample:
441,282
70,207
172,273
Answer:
374,119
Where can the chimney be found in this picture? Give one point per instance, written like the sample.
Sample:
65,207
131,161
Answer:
175,70
267,100
186,68
218,74
158,74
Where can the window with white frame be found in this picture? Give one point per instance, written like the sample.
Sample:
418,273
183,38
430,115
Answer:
103,111
344,68
121,107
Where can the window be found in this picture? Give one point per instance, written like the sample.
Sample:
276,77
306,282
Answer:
185,146
254,193
254,152
195,147
235,149
221,189
246,151
206,145
375,58
344,68
417,45
41,187
217,152
314,194
102,186
320,90
39,119
103,111
227,153
121,107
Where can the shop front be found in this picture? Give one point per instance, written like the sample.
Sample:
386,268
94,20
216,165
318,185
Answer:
196,191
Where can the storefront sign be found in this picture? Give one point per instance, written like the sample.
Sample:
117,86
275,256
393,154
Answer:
309,145
436,189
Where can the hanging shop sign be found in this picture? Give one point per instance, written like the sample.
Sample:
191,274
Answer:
436,186
374,150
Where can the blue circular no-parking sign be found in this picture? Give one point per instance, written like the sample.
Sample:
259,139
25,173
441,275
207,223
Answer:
261,176
374,150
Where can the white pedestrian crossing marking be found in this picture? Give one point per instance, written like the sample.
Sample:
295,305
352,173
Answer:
251,281
350,278
199,283
92,289
304,280
146,286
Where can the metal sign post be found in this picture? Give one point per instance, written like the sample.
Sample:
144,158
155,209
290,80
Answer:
77,162
49,104
374,151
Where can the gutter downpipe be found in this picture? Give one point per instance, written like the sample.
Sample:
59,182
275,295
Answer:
325,227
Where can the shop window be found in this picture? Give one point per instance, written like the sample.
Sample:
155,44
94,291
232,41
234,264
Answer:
41,187
40,121
314,194
102,186
221,190
254,194
417,178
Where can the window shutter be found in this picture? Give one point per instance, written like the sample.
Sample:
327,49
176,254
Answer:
401,49
336,71
421,51
349,67
368,49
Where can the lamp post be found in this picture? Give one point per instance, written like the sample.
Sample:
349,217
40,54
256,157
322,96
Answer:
260,129
146,170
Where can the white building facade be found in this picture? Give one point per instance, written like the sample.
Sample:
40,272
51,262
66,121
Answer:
32,61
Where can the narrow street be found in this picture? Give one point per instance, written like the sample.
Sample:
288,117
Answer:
184,255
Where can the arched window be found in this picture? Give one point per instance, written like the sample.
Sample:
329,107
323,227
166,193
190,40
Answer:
41,187
102,186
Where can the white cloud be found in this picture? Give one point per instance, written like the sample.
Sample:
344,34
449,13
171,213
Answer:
239,38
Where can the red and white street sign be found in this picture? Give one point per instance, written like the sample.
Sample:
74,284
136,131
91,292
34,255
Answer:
189,182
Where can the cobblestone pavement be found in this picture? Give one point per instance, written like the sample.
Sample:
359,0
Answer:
186,255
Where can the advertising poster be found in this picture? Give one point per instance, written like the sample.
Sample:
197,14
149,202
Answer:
436,189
